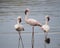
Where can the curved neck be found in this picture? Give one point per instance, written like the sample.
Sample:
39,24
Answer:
46,22
26,16
18,22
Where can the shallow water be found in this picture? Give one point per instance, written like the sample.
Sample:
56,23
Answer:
10,9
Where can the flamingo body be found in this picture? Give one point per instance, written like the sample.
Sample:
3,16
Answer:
19,27
46,28
32,22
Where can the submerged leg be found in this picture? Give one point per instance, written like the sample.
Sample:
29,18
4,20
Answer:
22,42
46,34
44,44
33,37
45,39
19,41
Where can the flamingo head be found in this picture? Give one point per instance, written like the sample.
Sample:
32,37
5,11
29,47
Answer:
27,10
48,18
19,19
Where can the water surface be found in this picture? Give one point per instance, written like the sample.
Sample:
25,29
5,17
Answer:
10,9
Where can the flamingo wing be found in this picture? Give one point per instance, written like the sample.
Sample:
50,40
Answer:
33,22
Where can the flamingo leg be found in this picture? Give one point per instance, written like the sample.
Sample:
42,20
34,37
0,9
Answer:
45,39
19,40
44,44
33,37
46,34
22,42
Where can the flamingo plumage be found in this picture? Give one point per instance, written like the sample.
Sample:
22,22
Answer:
31,22
19,28
46,29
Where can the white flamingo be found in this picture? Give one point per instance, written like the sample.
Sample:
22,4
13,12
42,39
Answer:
19,28
31,22
46,29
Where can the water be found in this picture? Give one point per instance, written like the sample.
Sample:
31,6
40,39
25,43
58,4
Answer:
10,9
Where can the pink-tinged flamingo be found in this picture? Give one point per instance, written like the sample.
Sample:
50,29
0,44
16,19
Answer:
31,22
46,29
19,28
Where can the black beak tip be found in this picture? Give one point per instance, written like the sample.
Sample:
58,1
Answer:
20,20
48,18
25,12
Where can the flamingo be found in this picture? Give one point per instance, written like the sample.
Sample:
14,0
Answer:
19,27
31,22
46,28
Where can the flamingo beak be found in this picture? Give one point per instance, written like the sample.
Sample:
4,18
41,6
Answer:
26,11
48,18
19,19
